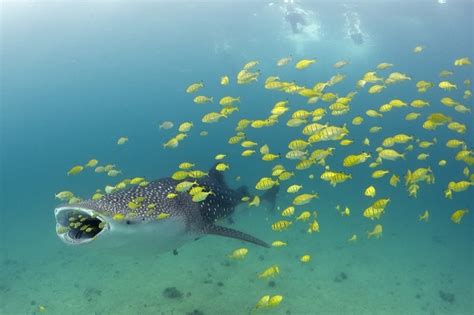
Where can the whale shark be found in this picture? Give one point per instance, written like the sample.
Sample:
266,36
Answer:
157,222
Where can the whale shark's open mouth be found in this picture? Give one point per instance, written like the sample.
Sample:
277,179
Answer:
77,226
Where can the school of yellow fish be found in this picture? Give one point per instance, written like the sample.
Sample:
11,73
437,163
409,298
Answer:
317,141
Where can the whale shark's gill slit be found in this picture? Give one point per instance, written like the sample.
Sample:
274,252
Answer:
77,226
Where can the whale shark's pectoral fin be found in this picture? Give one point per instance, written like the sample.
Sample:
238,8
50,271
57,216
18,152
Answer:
228,232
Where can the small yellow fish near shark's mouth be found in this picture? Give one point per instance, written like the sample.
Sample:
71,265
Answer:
76,226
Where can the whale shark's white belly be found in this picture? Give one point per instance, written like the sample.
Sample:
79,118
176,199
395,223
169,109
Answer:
156,237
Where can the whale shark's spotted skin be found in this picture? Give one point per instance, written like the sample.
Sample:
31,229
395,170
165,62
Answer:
216,206
197,217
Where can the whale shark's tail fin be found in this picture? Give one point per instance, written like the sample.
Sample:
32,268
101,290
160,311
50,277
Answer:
270,196
228,232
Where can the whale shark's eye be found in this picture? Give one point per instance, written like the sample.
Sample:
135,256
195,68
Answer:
77,226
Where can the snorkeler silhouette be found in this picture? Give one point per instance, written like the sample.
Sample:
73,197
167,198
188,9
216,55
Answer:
296,18
357,37
353,27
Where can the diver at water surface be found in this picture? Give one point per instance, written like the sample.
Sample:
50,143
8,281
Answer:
353,27
296,19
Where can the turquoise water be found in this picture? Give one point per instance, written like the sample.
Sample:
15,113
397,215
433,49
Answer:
77,76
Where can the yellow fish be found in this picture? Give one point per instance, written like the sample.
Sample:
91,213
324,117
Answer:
220,156
185,127
266,183
122,140
304,199
281,225
304,216
212,117
75,170
377,88
422,156
194,87
304,63
201,99
136,180
179,175
288,212
118,217
462,62
346,212
269,272
346,142
418,49
184,186
384,65
381,203
284,61
264,149
64,195
459,186
268,302
97,196
247,153
376,232
263,302
353,238
340,64
313,227
305,258
255,202
355,159
228,100
412,116
172,143
447,86
275,300
185,166
394,180
250,64
373,213
293,189
197,174
92,163
379,173
389,154
457,215
224,80
239,253
270,157
221,167
279,244
425,216
162,216
402,138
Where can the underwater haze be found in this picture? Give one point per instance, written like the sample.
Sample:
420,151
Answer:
95,80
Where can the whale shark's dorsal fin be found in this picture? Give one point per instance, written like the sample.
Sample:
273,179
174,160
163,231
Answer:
228,232
270,196
217,176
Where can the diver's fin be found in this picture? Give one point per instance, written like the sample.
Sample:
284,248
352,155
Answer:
217,176
228,232
271,195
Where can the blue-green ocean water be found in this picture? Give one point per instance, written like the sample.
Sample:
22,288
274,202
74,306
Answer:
76,76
